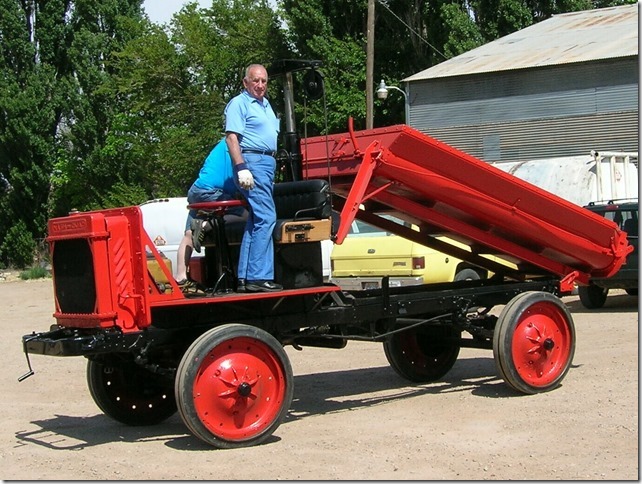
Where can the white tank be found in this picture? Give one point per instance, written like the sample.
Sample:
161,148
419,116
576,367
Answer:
581,179
164,222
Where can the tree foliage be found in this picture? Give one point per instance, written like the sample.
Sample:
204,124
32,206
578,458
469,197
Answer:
99,107
52,117
171,85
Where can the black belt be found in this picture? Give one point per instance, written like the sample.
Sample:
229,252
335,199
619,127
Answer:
259,152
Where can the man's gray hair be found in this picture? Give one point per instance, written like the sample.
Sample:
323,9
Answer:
253,66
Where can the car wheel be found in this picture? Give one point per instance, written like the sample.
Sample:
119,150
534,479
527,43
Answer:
467,275
592,296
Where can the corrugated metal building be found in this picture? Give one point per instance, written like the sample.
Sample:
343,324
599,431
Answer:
562,87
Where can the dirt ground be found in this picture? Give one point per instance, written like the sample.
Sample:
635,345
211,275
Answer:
351,418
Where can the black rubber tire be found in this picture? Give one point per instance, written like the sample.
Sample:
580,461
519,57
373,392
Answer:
130,394
632,291
592,296
534,342
234,386
423,354
467,274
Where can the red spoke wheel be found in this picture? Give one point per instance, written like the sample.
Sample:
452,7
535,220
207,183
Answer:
129,393
234,386
534,342
423,354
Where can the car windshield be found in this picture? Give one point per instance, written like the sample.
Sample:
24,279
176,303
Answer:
627,220
365,228
359,227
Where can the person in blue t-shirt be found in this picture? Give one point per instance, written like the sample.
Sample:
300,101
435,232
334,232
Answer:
215,182
251,130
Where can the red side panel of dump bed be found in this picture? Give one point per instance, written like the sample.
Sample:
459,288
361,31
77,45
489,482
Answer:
401,171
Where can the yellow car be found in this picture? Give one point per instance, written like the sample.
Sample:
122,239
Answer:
369,253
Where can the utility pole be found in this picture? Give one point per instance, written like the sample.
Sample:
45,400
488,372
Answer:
370,65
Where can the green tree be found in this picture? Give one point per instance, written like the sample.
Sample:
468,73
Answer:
30,107
52,119
463,34
85,170
171,85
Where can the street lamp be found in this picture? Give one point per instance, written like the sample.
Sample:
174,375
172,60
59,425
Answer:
382,92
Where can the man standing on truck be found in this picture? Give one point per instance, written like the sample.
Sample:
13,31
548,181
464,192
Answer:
251,130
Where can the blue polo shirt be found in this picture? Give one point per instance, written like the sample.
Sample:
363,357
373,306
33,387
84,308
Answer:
254,121
216,171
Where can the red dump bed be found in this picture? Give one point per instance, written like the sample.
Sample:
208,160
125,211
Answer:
401,171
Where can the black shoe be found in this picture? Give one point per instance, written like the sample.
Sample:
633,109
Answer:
262,286
189,286
240,285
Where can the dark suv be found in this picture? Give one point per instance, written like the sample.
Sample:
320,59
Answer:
625,214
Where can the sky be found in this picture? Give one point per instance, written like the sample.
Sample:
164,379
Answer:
161,11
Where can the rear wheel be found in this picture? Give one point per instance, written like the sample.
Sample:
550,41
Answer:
234,386
467,274
423,354
130,394
534,342
632,291
592,296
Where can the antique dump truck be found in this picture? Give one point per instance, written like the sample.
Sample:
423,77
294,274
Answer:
217,356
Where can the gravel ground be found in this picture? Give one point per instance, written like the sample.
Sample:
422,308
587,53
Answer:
351,418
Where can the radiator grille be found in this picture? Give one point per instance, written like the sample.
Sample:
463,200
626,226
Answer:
73,270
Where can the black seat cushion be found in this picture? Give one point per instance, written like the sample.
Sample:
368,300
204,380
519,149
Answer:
299,200
302,200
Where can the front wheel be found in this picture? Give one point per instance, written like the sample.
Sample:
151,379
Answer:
534,342
234,386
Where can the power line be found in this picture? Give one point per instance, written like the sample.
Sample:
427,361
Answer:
383,4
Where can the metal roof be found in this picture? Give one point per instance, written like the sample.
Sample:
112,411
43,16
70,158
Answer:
604,33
